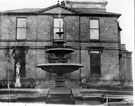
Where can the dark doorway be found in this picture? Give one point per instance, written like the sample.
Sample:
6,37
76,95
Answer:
20,56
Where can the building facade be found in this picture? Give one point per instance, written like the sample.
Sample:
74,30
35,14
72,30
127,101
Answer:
92,32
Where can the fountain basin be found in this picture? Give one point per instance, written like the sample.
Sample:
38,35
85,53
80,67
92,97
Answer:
60,52
60,68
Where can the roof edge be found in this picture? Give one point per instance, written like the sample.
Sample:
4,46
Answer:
98,14
57,5
80,14
77,12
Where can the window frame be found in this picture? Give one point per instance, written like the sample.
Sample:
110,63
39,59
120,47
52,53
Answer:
98,29
62,27
95,75
21,28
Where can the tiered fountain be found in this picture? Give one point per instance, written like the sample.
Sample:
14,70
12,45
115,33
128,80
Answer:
60,93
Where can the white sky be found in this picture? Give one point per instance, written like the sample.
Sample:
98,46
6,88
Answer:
124,7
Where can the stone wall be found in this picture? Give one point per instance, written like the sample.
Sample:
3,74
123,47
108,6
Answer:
40,34
126,66
93,4
72,27
108,29
110,65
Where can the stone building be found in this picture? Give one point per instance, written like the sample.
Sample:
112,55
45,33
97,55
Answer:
88,28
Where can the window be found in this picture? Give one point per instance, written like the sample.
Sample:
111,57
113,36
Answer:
94,29
95,62
21,28
58,27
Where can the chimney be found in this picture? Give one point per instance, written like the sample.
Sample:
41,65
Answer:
93,4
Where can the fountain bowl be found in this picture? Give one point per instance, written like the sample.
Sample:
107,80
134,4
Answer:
60,68
60,52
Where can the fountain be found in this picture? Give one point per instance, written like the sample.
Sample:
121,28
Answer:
60,94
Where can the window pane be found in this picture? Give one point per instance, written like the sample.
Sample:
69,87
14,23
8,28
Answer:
58,30
94,34
58,22
56,36
21,33
94,24
21,22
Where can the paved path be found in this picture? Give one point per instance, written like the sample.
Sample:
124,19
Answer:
15,92
74,90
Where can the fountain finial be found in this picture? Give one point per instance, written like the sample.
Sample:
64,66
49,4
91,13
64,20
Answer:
58,2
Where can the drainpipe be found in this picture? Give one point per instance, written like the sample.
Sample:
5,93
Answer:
80,48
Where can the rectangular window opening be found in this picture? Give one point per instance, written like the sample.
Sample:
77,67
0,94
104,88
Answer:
58,27
21,28
95,63
94,29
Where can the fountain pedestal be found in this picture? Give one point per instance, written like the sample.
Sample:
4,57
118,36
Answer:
60,81
60,94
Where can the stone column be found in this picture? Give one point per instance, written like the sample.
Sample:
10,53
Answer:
18,83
